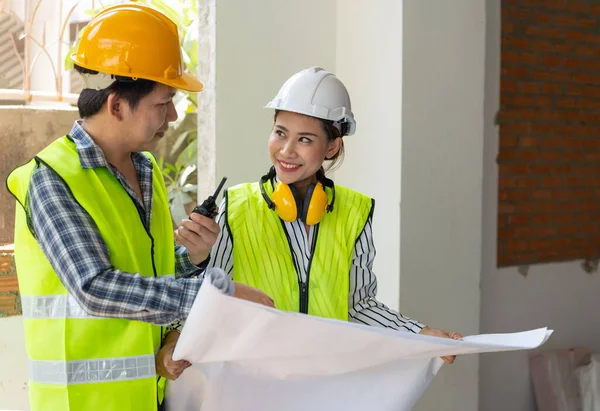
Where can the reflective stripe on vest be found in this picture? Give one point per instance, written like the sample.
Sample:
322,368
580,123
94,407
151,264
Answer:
92,371
262,253
53,306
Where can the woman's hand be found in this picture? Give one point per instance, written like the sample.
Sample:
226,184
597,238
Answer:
449,359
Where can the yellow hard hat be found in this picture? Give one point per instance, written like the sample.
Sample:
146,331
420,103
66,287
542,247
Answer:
133,40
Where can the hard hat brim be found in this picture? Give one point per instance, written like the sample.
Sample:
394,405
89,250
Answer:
186,82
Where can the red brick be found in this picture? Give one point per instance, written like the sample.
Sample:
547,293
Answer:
566,102
509,169
541,244
591,156
550,155
516,245
568,230
507,182
508,86
540,168
586,78
542,128
588,229
516,128
517,43
553,61
561,195
528,155
501,221
528,141
509,56
507,140
515,72
515,13
555,4
543,75
541,195
591,38
539,45
563,48
514,195
577,6
5,264
584,193
506,208
551,142
572,156
542,18
552,182
572,63
8,304
529,88
541,219
8,283
508,27
562,218
551,88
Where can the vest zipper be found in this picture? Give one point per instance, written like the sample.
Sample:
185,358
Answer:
304,287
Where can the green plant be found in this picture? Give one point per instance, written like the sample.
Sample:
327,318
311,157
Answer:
177,153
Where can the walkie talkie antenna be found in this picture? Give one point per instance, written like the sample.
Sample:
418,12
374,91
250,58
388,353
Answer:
208,208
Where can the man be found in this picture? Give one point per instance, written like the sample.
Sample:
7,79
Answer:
94,244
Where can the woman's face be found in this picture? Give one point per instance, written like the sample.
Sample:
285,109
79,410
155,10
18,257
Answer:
298,145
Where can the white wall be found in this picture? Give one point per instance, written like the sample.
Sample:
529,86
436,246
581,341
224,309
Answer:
261,43
560,296
442,146
440,143
13,365
369,62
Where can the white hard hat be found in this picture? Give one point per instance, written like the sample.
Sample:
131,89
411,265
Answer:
317,93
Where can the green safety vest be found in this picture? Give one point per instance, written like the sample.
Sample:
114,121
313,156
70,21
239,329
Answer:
78,362
262,255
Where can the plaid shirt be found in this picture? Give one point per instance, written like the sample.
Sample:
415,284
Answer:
77,252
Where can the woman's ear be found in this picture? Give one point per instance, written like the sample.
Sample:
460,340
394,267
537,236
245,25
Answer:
334,147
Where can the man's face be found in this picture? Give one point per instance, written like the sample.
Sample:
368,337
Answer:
144,126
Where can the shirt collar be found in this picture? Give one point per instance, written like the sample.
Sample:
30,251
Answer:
90,153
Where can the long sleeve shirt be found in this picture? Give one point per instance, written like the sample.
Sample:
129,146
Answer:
363,306
74,247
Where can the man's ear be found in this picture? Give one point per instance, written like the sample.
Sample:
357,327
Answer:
114,105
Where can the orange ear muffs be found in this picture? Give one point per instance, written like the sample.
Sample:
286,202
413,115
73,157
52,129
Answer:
285,202
315,204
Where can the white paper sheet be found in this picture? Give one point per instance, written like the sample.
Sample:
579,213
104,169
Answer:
249,357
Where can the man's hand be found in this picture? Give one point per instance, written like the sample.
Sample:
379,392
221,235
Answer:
165,366
198,234
449,359
246,292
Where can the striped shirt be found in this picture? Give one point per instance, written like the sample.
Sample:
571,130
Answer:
363,306
74,247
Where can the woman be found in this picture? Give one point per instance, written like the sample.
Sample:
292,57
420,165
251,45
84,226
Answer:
295,235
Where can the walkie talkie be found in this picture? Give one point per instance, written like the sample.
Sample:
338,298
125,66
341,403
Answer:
208,207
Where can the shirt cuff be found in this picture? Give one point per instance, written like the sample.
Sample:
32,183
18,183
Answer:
415,327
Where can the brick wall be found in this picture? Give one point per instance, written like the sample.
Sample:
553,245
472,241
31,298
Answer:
9,288
549,156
